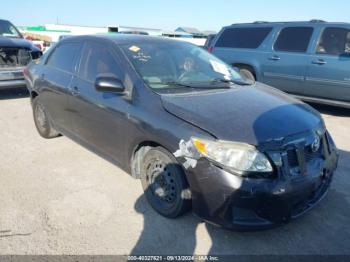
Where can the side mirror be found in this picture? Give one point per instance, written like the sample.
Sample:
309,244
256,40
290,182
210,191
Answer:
109,84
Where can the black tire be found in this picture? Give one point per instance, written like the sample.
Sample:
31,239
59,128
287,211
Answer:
42,121
164,183
247,74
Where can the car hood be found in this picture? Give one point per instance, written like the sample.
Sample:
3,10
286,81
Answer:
16,42
249,114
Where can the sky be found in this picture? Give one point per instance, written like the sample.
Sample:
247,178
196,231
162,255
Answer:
168,15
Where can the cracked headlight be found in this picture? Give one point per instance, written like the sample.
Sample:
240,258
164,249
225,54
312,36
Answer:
237,156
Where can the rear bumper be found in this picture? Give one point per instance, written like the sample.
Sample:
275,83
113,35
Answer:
238,203
11,78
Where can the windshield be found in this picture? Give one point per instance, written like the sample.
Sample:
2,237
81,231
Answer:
8,30
169,65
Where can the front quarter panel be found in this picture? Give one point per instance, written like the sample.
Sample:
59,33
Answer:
150,122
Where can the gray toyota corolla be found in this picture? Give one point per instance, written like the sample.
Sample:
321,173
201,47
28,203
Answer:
242,155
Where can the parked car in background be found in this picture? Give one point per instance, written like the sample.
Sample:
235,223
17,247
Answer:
174,116
310,60
209,41
15,54
61,37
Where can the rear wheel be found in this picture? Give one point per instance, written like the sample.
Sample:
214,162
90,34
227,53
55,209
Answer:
42,121
164,183
247,74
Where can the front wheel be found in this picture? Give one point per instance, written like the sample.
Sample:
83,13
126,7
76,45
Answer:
42,121
164,183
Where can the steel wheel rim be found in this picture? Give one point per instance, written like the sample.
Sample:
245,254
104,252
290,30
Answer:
161,182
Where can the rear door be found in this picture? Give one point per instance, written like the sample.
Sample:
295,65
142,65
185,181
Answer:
285,65
328,72
55,81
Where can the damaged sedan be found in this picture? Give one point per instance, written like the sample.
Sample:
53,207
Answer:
239,154
15,54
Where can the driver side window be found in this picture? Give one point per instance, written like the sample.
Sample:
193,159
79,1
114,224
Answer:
99,60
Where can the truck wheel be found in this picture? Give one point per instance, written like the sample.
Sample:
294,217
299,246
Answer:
42,122
164,183
247,74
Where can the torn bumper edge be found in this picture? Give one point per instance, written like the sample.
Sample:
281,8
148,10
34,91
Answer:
235,202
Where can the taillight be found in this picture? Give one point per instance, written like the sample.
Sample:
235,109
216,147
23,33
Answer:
39,46
25,71
210,49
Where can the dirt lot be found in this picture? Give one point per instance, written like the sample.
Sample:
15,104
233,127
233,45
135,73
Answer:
59,198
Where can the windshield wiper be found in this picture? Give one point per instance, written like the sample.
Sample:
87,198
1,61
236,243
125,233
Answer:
237,82
170,83
175,83
196,85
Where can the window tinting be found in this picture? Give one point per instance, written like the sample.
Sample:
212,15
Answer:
63,57
334,41
249,37
294,39
99,60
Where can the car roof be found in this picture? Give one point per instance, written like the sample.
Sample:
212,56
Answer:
121,39
298,23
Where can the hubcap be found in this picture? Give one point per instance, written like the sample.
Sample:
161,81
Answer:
40,117
161,181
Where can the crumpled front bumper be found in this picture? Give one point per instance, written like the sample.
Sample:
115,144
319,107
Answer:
239,203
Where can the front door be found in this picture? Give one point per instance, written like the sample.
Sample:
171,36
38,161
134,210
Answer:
99,118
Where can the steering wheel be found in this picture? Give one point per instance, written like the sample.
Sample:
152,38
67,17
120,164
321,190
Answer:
188,68
184,75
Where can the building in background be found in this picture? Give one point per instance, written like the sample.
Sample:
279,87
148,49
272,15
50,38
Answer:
54,31
46,35
209,32
191,30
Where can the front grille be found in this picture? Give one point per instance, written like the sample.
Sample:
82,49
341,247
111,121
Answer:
14,57
309,155
299,156
292,158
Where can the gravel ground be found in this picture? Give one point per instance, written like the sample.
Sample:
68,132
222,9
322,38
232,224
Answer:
59,198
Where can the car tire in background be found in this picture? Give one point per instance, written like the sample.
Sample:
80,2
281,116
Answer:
42,121
247,74
164,183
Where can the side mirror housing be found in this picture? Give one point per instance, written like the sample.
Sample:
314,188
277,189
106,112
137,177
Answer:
109,85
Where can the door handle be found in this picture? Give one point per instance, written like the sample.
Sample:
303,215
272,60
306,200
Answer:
75,91
319,62
274,58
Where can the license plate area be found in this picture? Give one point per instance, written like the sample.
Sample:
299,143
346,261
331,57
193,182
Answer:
11,75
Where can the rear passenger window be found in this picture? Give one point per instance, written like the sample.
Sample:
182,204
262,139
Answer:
249,37
63,57
294,39
334,41
98,60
